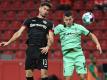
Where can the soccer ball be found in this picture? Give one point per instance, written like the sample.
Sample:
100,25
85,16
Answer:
88,18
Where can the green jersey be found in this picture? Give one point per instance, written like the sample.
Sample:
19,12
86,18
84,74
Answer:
70,36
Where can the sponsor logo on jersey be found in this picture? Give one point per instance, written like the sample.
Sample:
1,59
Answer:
38,25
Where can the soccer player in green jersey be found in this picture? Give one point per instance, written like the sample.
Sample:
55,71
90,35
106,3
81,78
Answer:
70,37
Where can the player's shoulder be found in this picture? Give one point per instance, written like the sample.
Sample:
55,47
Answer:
60,25
29,18
49,21
76,24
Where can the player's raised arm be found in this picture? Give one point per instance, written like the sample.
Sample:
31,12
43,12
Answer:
15,36
95,40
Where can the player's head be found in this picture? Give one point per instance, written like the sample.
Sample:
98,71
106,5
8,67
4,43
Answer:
44,9
68,18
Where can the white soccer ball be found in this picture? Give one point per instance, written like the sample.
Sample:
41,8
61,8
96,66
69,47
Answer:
88,18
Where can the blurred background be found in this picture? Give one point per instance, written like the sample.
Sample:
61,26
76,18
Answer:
14,12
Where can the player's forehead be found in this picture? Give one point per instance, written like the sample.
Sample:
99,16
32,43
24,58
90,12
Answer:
45,7
68,17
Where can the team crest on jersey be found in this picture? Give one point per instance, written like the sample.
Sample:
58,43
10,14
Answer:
44,22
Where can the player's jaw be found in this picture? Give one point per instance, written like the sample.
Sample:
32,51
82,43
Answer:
44,14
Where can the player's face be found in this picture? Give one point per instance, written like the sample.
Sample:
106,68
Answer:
44,10
68,20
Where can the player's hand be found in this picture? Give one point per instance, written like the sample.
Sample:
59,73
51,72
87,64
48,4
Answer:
4,43
44,50
99,48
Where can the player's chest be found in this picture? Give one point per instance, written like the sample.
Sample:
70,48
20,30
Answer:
38,24
70,31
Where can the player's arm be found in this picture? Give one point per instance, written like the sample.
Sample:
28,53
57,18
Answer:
95,40
15,36
50,40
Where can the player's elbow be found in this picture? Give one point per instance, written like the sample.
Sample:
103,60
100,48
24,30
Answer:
52,40
91,35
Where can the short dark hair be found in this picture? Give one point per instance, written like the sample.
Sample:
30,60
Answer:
46,4
67,13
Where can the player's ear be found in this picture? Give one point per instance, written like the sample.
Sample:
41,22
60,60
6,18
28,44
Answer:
63,18
40,8
72,19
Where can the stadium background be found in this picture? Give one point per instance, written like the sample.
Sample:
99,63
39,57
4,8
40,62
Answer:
12,15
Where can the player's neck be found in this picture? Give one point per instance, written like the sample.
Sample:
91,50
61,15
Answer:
68,25
40,16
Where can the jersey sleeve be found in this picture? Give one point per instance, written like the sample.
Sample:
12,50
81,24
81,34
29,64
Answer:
51,26
84,30
57,30
26,23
